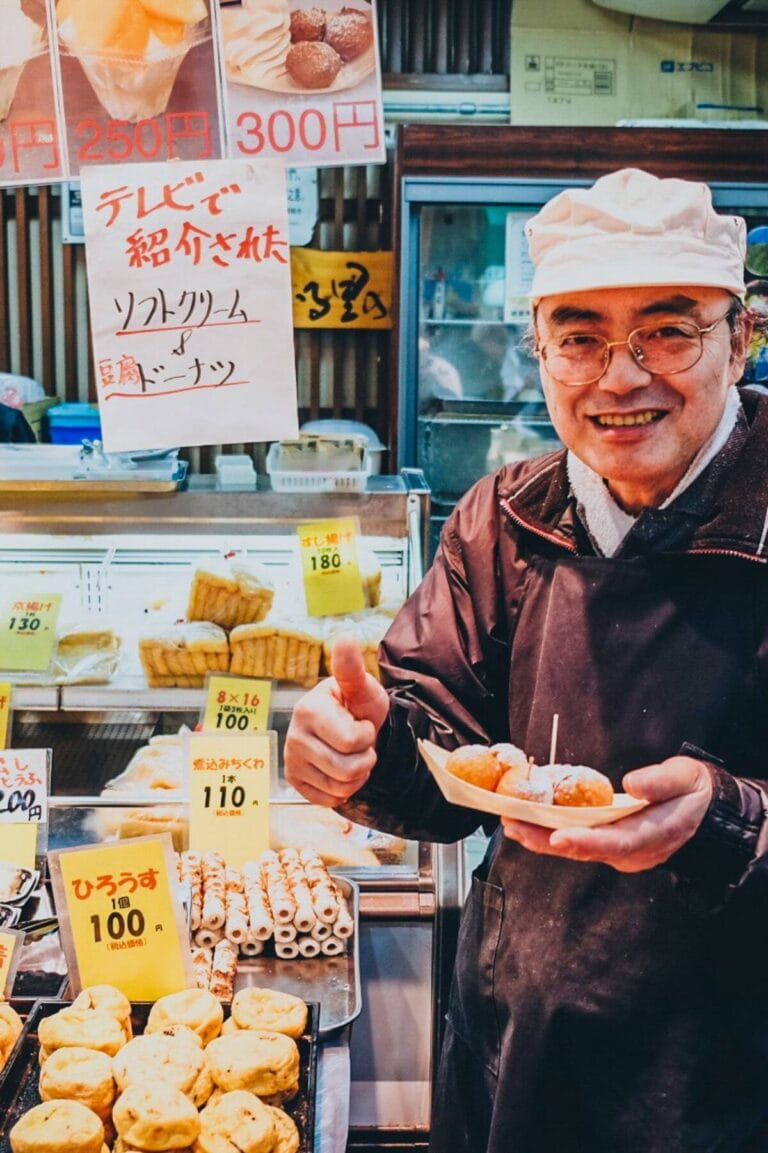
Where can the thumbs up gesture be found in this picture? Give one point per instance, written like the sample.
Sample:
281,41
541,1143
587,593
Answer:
329,747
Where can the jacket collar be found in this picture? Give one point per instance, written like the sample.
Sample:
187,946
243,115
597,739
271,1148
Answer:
537,497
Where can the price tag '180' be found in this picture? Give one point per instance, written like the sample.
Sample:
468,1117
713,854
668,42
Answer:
120,914
332,581
28,632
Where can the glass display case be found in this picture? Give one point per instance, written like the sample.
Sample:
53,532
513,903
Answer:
123,561
469,398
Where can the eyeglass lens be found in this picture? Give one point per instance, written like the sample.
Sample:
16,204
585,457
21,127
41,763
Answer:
581,357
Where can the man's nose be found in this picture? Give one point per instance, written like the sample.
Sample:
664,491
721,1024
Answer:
624,372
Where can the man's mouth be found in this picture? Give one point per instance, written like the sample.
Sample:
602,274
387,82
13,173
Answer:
628,419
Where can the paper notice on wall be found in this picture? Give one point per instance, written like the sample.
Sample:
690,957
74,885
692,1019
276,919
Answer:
518,270
302,82
30,151
189,278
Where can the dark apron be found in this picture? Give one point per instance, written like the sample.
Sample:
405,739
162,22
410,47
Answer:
595,1011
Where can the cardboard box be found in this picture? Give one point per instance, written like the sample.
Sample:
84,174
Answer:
575,63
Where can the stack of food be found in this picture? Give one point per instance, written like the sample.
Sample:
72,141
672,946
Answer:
190,1080
505,769
287,902
85,653
230,627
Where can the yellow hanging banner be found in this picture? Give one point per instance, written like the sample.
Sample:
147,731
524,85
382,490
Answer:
10,939
341,289
236,705
229,781
120,914
332,580
5,713
28,632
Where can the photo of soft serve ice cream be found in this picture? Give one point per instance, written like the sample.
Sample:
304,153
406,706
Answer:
20,40
256,41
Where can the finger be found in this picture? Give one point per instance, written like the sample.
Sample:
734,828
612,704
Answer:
324,789
361,693
672,778
327,720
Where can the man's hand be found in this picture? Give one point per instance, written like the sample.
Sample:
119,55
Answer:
678,792
329,747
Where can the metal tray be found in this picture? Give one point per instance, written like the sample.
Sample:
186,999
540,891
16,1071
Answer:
30,879
19,1079
332,982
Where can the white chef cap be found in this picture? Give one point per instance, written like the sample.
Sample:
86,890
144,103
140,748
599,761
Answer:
630,229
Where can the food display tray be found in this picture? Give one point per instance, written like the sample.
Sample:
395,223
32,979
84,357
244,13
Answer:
19,1079
332,982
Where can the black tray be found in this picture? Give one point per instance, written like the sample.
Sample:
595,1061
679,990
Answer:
19,1078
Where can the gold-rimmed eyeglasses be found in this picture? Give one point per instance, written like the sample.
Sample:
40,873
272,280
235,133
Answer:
662,349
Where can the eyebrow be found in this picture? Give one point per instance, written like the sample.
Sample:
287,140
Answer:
679,304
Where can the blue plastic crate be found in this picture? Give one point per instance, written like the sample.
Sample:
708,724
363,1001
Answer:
72,423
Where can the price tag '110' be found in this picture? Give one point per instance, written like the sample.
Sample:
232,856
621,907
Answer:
229,794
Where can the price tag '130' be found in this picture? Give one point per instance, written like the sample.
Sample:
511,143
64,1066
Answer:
332,581
28,632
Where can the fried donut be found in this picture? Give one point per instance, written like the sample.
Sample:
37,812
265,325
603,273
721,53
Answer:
313,63
236,1121
78,1074
264,1063
287,1139
349,32
307,24
256,1008
11,1025
88,1028
153,1117
197,1008
579,785
58,1127
476,765
537,786
112,1000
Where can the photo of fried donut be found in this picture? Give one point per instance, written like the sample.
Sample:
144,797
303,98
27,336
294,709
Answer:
277,45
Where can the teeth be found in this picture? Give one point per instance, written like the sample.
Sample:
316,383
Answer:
607,420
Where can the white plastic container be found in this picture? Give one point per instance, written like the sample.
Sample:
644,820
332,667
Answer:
296,480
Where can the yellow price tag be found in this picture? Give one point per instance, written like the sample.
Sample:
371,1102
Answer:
332,581
229,794
9,939
5,713
124,918
19,844
237,705
28,632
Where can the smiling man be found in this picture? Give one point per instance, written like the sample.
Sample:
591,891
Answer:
611,984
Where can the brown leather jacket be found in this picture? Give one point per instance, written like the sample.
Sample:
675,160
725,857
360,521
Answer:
595,1011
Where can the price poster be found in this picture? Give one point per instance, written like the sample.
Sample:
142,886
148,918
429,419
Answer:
229,793
302,83
30,139
11,941
138,81
24,776
28,632
5,712
332,581
120,914
237,705
189,278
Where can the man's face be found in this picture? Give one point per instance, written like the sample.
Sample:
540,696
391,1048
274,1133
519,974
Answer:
637,430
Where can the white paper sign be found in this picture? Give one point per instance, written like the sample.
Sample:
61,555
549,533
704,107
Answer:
24,785
519,270
189,280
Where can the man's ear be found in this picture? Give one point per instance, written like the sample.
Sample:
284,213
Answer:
740,336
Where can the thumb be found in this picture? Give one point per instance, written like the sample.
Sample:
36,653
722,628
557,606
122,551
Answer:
361,693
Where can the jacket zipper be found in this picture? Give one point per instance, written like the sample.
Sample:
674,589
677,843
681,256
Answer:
571,548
